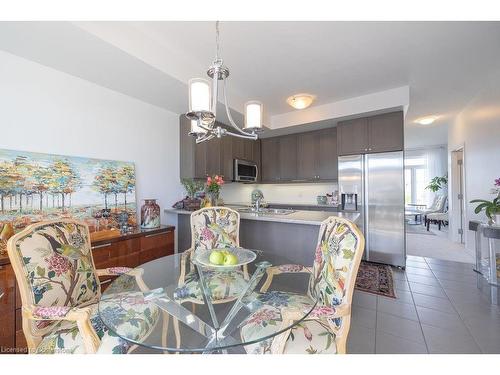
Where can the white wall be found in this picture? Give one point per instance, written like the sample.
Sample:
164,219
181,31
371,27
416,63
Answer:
44,110
277,193
477,128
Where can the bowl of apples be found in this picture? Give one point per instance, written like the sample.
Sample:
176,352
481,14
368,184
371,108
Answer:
225,258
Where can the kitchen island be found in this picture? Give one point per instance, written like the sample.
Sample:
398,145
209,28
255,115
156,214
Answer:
292,235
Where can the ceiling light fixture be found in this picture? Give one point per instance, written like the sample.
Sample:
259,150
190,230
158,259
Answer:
300,101
203,105
426,120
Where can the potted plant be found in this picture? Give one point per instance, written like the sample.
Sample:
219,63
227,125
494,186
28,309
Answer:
491,208
437,183
212,187
192,187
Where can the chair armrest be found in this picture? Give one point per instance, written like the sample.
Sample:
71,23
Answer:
284,268
79,315
113,271
117,271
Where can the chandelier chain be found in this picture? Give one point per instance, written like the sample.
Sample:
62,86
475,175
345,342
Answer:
217,41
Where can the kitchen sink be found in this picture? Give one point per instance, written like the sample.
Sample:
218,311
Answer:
266,211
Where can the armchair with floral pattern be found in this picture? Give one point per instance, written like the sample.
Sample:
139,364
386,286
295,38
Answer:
211,228
60,289
331,284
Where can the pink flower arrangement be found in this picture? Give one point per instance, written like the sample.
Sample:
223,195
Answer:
497,182
214,184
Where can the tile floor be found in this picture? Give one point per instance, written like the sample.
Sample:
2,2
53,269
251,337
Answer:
439,309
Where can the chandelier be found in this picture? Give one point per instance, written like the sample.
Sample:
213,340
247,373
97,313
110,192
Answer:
203,105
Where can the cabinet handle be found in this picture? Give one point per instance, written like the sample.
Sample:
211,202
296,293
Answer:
100,246
106,281
155,234
1,293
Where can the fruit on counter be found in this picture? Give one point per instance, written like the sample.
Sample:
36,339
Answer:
223,257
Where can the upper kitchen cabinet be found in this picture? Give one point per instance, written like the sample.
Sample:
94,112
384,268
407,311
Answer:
327,154
270,159
317,155
288,157
214,156
381,133
198,160
352,136
385,132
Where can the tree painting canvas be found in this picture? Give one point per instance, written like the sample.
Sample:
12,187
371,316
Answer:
36,187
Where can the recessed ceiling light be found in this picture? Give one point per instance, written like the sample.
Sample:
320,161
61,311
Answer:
300,101
426,120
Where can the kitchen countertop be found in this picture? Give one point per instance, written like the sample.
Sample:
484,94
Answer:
305,205
297,217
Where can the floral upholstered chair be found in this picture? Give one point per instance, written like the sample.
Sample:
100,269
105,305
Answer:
332,278
211,228
60,289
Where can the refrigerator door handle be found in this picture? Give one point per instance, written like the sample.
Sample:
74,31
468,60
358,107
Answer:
366,203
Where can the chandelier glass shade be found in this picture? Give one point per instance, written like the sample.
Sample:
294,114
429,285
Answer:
203,99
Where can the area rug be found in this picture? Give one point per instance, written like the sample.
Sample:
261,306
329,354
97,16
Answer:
375,278
418,229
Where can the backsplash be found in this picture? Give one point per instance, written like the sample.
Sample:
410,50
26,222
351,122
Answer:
277,193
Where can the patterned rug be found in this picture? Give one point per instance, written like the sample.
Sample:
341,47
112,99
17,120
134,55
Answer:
375,278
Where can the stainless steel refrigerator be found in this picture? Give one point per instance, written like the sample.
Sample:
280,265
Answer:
373,186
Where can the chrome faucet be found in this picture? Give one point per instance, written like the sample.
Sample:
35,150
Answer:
258,203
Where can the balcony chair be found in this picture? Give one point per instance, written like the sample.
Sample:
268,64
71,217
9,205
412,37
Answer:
332,278
439,218
60,291
438,205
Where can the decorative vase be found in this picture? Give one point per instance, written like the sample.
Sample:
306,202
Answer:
150,214
496,219
214,198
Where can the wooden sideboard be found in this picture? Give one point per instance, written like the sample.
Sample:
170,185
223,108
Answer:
128,250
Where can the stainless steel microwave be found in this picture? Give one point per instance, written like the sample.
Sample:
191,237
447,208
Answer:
245,171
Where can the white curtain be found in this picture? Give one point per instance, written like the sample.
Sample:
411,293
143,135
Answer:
429,162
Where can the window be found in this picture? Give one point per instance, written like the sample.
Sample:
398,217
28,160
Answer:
415,183
421,165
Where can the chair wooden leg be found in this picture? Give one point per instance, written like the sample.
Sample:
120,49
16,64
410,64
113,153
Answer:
177,333
164,337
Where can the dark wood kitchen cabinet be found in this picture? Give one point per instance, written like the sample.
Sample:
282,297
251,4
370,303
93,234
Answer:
288,157
270,159
385,132
327,154
7,309
214,157
381,133
317,155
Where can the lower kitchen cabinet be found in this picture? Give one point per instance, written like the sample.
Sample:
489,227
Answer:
130,250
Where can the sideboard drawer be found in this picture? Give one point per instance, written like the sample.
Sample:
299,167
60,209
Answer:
7,309
155,240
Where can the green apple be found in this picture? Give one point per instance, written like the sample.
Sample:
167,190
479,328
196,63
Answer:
216,257
230,259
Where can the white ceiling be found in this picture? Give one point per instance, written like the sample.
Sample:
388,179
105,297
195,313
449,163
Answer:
443,63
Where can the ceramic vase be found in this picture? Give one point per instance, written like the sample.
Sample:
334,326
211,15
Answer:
214,198
150,214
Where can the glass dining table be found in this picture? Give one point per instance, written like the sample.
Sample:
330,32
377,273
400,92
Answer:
142,306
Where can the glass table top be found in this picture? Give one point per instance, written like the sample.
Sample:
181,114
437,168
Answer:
148,307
